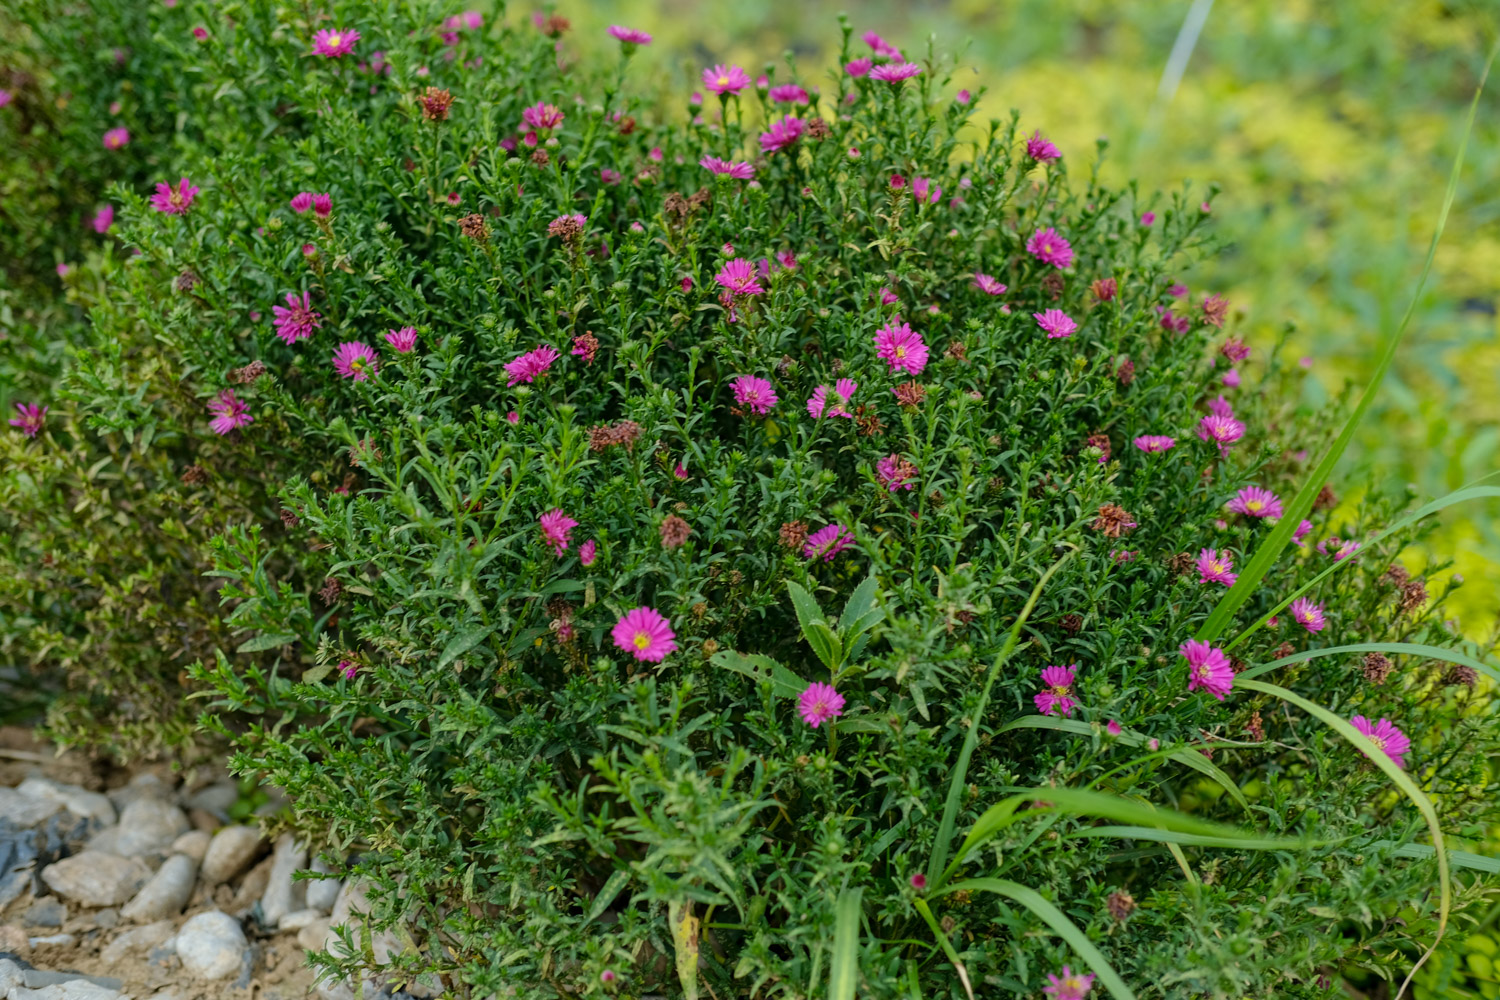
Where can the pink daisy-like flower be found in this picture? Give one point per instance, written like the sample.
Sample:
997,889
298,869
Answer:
5,97
1113,728
739,276
783,133
895,473
1387,738
174,202
755,394
230,413
1148,218
918,882
1048,246
645,634
1216,567
901,348
588,552
529,366
859,67
883,48
888,297
987,284
104,218
542,116
924,191
555,527
1069,986
723,79
116,138
1253,501
403,341
825,543
356,360
1041,149
1056,322
1177,289
1342,548
1220,407
738,169
1058,698
1231,379
629,36
834,404
788,93
322,205
335,42
301,201
786,259
1308,614
1208,668
30,420
609,176
1303,530
819,703
1154,442
1224,431
895,72
200,33
296,320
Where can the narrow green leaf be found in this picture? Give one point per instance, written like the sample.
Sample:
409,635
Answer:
464,641
1399,648
607,894
1188,839
1460,859
266,640
843,975
945,944
815,627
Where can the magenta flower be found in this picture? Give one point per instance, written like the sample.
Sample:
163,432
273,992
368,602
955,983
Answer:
230,413
348,668
895,473
1220,407
402,340
1208,668
1058,698
859,67
5,97
356,360
723,79
1148,218
819,703
987,284
836,406
645,634
629,36
901,347
739,276
174,202
609,176
825,543
1225,431
335,42
883,48
918,882
296,320
786,259
738,169
1308,614
104,218
1235,349
1253,501
116,138
322,205
1040,149
588,552
1303,530
301,201
1216,567
784,133
1231,379
755,394
888,297
923,190
1112,727
527,367
1069,986
542,117
555,527
895,72
1387,738
1047,246
788,93
1154,442
1056,322
31,420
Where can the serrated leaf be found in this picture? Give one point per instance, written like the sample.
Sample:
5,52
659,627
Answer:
860,604
784,683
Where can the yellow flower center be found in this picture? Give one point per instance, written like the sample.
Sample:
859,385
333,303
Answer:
174,199
1060,691
1253,505
723,81
642,640
333,40
357,364
900,352
1216,567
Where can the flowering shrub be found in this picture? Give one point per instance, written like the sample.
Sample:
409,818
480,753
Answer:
780,553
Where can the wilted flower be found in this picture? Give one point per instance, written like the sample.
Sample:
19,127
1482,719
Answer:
1113,520
1215,308
542,116
435,103
1057,699
818,703
1235,350
229,412
674,531
568,228
645,634
895,473
585,346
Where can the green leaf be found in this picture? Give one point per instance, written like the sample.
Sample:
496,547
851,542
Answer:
1461,859
315,674
763,669
266,640
1399,648
607,894
1188,839
685,943
945,944
464,641
823,640
858,609
843,974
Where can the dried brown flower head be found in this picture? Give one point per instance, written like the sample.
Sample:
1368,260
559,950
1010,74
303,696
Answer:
331,592
1113,521
1125,372
1105,289
195,475
910,393
249,373
475,228
1376,668
793,534
435,103
1120,905
1215,308
674,532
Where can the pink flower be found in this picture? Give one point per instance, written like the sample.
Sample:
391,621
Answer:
738,276
1220,407
402,340
1253,501
296,320
888,297
1223,430
645,634
895,473
1058,698
901,347
1208,668
630,36
786,259
348,668
355,360
174,202
819,703
827,542
755,394
1069,986
1302,532
1215,567
1387,738
1154,442
882,48
1047,246
32,419
923,190
1147,218
987,284
784,132
542,117
5,97
1231,379
609,176
607,976
588,552
918,882
116,138
230,413
859,67
895,72
335,43
1041,149
723,79
555,527
527,367
104,218
301,201
1112,727
322,205
309,250
789,93
1056,322
200,33
1177,290
1308,614
567,227
737,169
513,418
1235,350
843,392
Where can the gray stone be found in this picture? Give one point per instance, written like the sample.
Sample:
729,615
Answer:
40,978
283,895
45,912
212,946
298,919
10,976
230,852
73,989
78,801
59,940
96,879
143,786
194,844
322,893
216,799
14,940
135,941
167,892
314,936
105,840
148,826
250,889
25,811
107,918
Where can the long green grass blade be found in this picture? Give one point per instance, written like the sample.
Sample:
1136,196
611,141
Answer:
1190,839
946,945
1059,922
1270,550
843,974
1460,859
1399,648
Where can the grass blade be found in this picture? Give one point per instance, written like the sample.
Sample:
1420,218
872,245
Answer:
1400,648
946,945
843,974
1189,839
